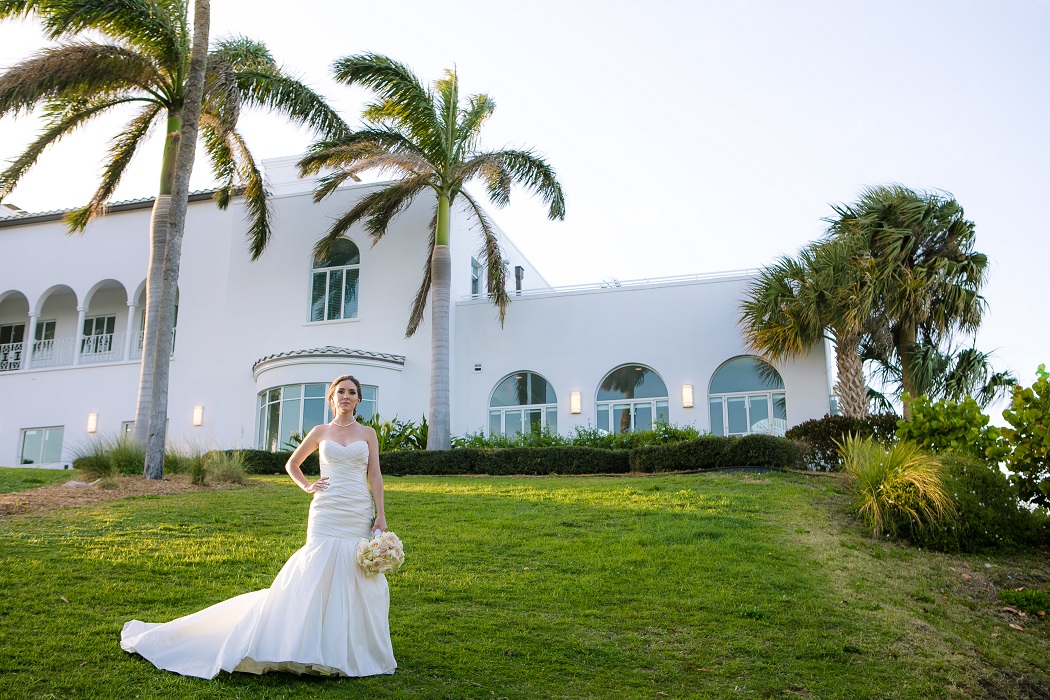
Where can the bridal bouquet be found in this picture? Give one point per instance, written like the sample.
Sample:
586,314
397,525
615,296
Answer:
381,554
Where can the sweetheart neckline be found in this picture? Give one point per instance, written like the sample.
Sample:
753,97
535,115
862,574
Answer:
352,442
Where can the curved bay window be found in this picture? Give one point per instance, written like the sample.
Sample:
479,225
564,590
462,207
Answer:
523,402
296,408
631,397
747,396
334,287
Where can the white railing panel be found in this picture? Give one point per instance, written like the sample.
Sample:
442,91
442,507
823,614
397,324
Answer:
107,347
52,353
139,339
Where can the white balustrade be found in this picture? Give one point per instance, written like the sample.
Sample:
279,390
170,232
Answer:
10,357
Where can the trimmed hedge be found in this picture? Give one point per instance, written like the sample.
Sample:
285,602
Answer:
817,437
714,452
708,452
515,460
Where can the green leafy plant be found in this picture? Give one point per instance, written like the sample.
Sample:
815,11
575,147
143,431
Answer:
896,490
294,440
1028,601
1025,447
225,467
818,439
943,426
109,456
394,435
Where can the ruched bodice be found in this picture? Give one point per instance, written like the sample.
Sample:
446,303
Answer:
345,508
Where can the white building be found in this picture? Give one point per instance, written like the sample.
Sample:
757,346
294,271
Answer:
256,343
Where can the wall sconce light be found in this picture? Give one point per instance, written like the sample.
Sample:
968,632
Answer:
687,396
574,403
198,415
92,422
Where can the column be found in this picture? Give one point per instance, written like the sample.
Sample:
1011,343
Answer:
78,337
131,324
29,340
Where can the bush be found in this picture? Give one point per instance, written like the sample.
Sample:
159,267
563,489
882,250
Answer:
948,426
92,460
264,462
660,434
896,491
225,467
817,440
199,472
715,452
987,513
519,460
110,456
1026,443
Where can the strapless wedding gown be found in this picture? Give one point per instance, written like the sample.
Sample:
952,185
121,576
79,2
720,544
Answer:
322,615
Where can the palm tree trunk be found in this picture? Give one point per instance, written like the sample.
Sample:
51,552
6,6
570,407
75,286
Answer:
851,389
905,338
439,436
186,145
158,243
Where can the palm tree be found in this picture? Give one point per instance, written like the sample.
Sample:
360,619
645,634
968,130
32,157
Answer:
922,266
143,62
430,142
797,302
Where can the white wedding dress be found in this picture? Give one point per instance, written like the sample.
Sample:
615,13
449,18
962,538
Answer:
322,615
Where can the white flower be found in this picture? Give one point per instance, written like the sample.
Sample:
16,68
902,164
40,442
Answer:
382,554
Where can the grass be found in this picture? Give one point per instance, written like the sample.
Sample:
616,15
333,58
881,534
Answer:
20,478
556,587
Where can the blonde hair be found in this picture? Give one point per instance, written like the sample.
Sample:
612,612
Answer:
335,384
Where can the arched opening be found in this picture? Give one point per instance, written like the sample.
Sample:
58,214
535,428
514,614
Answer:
747,396
523,402
631,397
334,283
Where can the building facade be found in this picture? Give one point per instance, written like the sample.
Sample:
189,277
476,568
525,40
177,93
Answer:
256,343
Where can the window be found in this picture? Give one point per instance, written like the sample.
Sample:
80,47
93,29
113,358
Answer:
631,397
296,408
98,335
475,277
44,345
11,337
747,396
41,445
334,287
523,402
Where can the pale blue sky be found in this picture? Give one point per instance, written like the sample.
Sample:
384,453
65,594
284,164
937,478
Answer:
690,137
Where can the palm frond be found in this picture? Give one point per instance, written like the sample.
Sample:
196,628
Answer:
530,171
419,302
283,94
66,117
245,54
345,151
222,96
157,29
480,108
74,70
402,96
119,156
492,254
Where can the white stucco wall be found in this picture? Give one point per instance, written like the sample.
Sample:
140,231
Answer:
234,312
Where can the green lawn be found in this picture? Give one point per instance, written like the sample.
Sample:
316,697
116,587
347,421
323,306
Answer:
20,478
556,587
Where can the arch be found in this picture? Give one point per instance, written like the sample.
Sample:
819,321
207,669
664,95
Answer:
522,401
335,282
630,397
52,291
746,395
107,285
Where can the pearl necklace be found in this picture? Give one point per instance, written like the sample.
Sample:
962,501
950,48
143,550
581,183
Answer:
345,425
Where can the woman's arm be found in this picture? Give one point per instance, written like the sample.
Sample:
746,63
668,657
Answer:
375,480
310,443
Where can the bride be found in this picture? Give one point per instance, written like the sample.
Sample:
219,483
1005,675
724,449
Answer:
322,615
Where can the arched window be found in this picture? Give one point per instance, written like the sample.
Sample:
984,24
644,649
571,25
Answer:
523,402
747,396
631,397
334,286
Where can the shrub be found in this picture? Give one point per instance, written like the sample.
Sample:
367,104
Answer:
659,434
264,462
93,460
127,457
519,460
1026,443
948,426
715,452
395,434
109,456
896,491
199,472
987,513
225,467
817,440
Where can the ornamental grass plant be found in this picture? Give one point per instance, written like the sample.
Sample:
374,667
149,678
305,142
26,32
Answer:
897,490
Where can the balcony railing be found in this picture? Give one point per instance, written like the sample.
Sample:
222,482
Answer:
60,352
